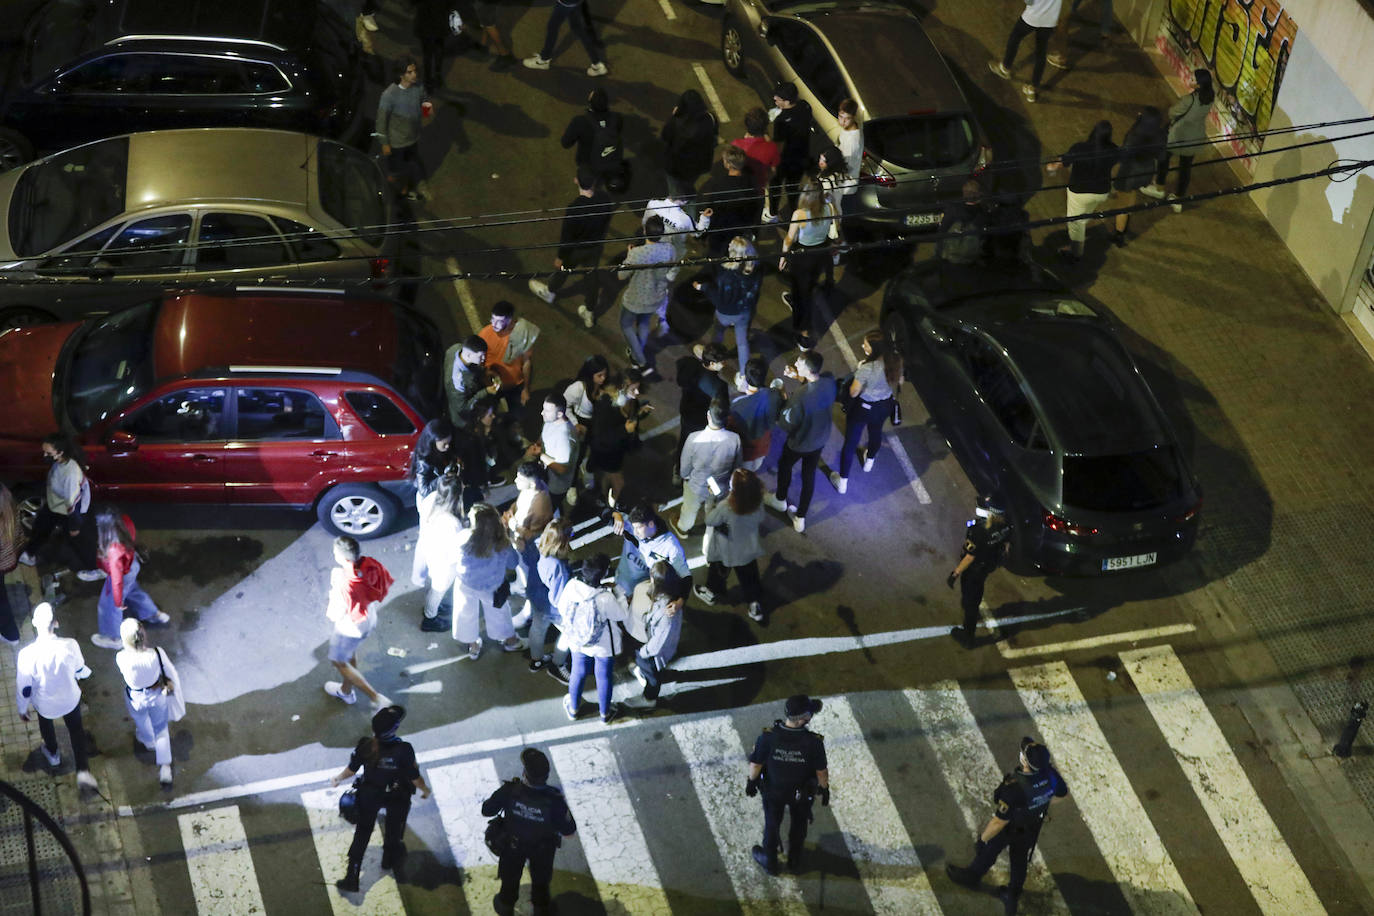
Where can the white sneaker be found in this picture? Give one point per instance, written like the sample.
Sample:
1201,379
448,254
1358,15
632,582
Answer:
588,319
521,619
536,63
1175,203
998,70
756,612
705,594
28,559
798,521
382,701
520,645
164,774
773,501
90,575
597,69
106,642
160,618
369,22
1153,190
639,676
868,463
841,484
85,780
335,689
541,289
54,759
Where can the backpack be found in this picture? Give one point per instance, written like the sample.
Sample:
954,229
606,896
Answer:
585,622
606,151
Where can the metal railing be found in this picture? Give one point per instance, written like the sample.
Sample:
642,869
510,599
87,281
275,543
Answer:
39,870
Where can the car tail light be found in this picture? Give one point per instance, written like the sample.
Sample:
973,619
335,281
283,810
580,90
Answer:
871,171
1190,514
380,267
1064,526
984,159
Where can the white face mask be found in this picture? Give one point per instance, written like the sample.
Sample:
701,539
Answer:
621,399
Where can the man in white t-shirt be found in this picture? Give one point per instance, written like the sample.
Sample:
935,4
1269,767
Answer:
1040,17
46,672
557,448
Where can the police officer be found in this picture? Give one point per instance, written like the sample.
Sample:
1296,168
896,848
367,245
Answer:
788,766
985,546
536,820
1021,804
390,778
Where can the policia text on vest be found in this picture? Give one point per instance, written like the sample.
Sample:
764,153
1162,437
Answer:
787,768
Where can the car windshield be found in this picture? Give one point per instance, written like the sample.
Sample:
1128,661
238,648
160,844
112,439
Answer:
110,365
351,191
419,355
59,33
928,141
1122,483
67,195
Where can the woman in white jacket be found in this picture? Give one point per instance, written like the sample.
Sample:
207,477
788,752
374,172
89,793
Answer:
592,616
436,550
150,683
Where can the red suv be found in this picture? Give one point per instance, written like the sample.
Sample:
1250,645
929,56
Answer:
270,397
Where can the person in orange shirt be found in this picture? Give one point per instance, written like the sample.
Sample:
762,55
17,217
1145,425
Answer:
510,342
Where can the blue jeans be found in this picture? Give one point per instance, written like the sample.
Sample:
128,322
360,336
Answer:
741,325
537,597
148,709
135,599
580,663
635,327
580,20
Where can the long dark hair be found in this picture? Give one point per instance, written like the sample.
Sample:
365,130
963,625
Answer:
1205,92
488,534
426,451
835,166
746,491
1148,128
892,360
590,367
110,527
1100,135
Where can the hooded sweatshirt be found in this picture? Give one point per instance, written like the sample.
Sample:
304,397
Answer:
576,592
352,594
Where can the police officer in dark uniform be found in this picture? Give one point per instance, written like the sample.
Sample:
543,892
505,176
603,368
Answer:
536,820
985,546
1021,803
390,778
788,766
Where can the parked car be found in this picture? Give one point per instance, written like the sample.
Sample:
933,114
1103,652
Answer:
261,397
89,69
104,225
921,139
1045,408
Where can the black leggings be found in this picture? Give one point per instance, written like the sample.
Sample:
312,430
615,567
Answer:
1185,172
809,462
370,801
805,264
79,547
510,867
748,576
74,731
1042,44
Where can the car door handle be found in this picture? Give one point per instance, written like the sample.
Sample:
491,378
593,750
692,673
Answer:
323,455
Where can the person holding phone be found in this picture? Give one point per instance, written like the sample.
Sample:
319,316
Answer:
708,457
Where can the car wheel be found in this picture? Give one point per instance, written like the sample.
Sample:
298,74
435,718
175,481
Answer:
24,316
358,510
15,149
732,48
897,333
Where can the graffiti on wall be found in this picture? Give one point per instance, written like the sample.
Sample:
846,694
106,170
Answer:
1245,43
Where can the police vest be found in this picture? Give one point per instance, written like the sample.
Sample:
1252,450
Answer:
790,764
388,772
1038,791
533,813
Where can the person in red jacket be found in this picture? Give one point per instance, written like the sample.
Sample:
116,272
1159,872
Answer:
121,592
356,586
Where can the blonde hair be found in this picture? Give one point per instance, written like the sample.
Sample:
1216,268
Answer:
743,256
133,635
812,198
554,540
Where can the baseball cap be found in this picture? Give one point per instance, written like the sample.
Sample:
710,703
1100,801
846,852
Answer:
535,763
801,705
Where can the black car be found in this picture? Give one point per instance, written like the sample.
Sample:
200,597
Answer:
89,69
1045,408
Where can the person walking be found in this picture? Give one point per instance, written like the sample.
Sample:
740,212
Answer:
805,254
732,543
650,268
592,616
485,556
1187,138
678,228
662,628
595,133
120,592
357,584
734,295
390,776
510,355
152,694
66,504
1020,805
9,562
806,420
689,137
986,545
580,238
872,398
1140,150
709,457
436,551
754,414
579,18
46,674
1039,17
787,767
399,118
1090,165
792,123
647,541
534,819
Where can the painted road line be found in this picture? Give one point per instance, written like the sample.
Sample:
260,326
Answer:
459,790
666,426
711,95
715,759
1144,872
608,827
971,771
1276,880
667,10
881,848
1093,642
223,879
379,895
460,286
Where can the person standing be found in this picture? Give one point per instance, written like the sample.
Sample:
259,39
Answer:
872,402
510,354
678,228
431,458
699,383
46,675
120,592
733,200
647,541
150,681
763,155
662,628
709,457
806,420
555,548
582,392
431,27
579,19
732,542
535,819
613,433
986,545
399,117
356,585
1039,17
9,562
1090,165
755,413
526,519
787,767
734,295
650,269
66,504
805,255
557,449
436,551
485,556
689,137
466,381
1187,138
850,142
1141,148
596,134
1020,805
580,238
592,616
792,123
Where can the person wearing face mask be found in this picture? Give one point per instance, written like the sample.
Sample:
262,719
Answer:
66,506
47,671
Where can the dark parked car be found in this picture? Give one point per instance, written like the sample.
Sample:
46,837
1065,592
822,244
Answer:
261,397
921,139
1043,406
89,69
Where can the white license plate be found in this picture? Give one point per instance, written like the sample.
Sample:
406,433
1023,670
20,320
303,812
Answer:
1140,559
922,219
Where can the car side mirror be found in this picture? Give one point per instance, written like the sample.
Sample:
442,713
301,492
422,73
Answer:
121,440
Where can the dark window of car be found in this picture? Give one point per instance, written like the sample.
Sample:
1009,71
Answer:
1122,483
262,77
232,240
82,253
282,413
932,141
202,74
419,359
67,195
812,61
309,244
999,389
156,243
111,365
104,74
352,190
189,415
380,413
60,31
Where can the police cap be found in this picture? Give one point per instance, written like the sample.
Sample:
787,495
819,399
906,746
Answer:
535,763
801,705
387,720
1036,754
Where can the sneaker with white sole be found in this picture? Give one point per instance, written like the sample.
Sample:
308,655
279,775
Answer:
28,559
588,319
335,689
369,21
597,69
1057,60
164,775
705,594
85,780
541,289
160,619
475,650
798,521
54,759
90,575
1175,203
568,708
106,642
536,63
1028,91
998,70
612,713
841,484
1153,190
868,463
756,612
520,645
773,501
639,676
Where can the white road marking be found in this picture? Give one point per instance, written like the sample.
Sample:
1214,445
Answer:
608,827
1092,642
223,879
459,790
971,772
667,9
716,760
994,622
666,426
379,895
881,848
1126,839
1273,875
711,95
460,286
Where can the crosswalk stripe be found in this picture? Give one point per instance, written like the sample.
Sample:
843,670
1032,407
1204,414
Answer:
1143,869
716,760
332,835
873,830
1274,877
223,879
608,827
971,771
459,790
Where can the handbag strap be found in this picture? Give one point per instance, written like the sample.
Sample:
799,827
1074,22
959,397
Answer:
158,650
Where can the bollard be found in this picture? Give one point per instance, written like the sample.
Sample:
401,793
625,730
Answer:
1352,728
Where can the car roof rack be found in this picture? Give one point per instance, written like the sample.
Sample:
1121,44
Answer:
293,370
254,42
310,290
